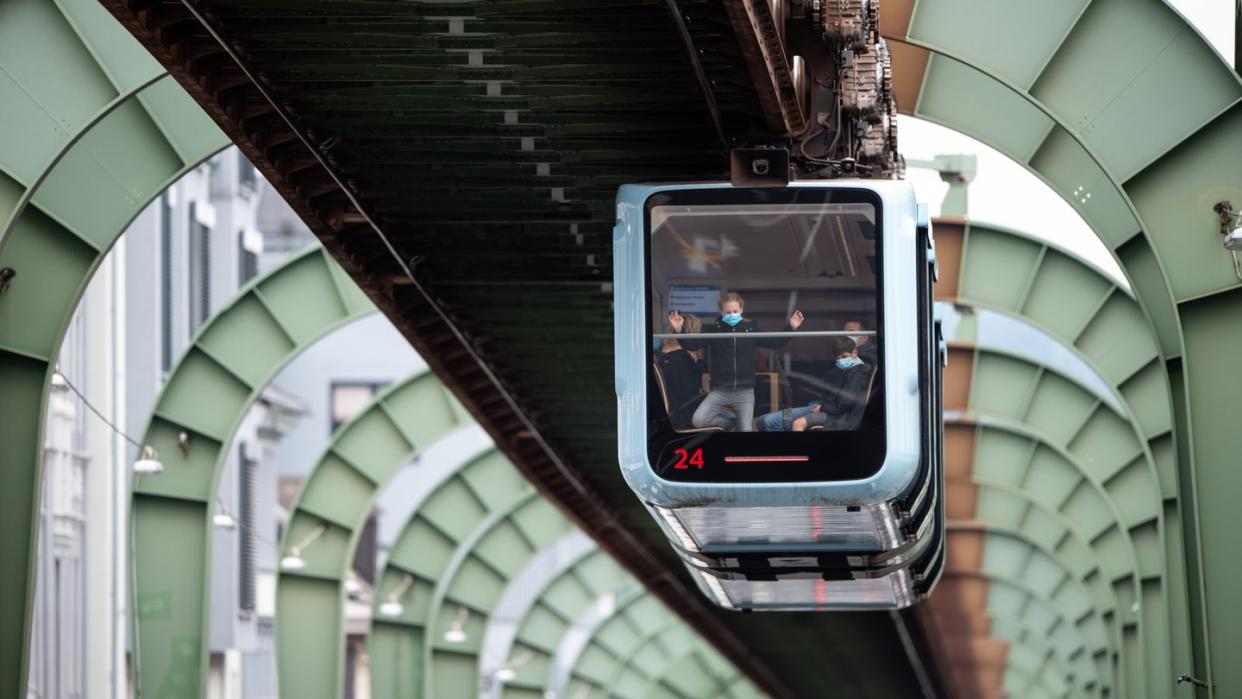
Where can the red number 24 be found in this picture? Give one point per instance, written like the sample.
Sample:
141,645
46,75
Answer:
686,459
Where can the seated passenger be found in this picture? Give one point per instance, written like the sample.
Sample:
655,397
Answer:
866,345
840,407
731,362
683,380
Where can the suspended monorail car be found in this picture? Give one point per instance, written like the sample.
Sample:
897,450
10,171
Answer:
778,373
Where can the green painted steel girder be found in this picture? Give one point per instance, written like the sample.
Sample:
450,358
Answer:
1112,445
560,607
424,551
1052,289
1048,295
1012,454
476,578
1185,167
669,655
1011,389
1141,149
94,130
614,644
1020,612
208,393
362,458
1058,538
575,573
696,672
1001,382
1010,554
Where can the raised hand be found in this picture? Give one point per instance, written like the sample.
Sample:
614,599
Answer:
795,320
675,320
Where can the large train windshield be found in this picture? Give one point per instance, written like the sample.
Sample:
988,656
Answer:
765,316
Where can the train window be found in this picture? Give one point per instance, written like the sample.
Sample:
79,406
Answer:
765,339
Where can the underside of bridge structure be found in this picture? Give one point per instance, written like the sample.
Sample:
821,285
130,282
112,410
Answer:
458,160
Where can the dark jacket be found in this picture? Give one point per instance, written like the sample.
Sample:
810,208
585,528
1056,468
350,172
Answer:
683,379
845,396
867,353
732,362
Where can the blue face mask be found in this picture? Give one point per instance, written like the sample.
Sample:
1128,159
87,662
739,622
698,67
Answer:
655,343
848,362
731,319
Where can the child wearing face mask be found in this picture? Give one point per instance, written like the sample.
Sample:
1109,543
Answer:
731,362
866,348
841,405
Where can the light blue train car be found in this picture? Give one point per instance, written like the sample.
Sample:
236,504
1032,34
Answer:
778,371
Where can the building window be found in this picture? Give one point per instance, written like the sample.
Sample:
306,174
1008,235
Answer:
166,285
247,260
347,399
247,177
247,498
200,270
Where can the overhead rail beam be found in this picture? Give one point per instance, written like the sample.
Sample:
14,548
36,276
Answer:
759,33
465,371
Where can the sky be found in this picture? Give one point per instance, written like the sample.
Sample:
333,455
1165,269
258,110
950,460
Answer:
1006,193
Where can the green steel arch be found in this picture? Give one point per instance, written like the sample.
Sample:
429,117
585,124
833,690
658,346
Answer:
1010,554
1141,151
621,640
632,677
1009,271
560,675
1009,510
1047,294
1055,479
424,550
95,129
663,660
1147,178
1102,442
994,504
1025,628
1041,609
559,607
613,641
476,578
216,381
362,458
1015,390
573,575
1123,477
1058,539
692,669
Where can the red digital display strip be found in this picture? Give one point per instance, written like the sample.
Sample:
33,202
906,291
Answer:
765,459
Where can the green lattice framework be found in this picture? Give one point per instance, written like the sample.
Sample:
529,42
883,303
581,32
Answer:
206,397
1037,473
1153,150
339,493
614,613
93,130
1123,109
1049,288
455,556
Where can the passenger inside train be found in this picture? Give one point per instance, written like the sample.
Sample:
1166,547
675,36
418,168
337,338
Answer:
768,298
731,363
684,378
866,348
845,388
